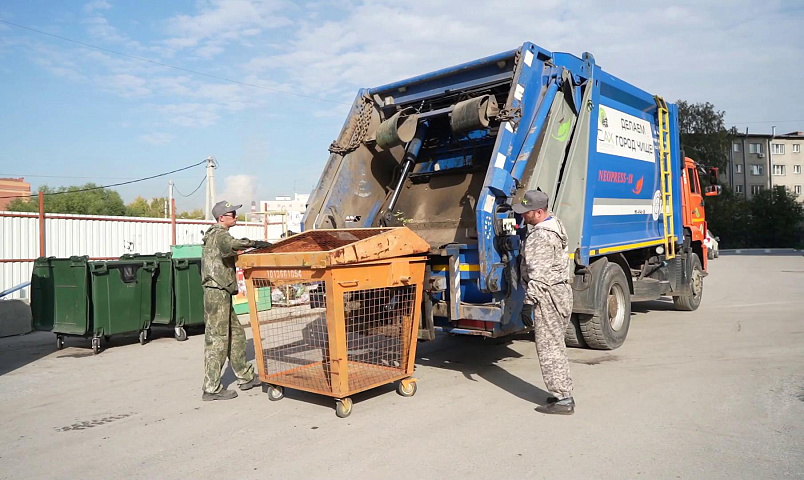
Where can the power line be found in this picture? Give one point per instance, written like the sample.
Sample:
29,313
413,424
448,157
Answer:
196,188
154,62
69,176
115,184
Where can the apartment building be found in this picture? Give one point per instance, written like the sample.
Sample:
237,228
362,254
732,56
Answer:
759,162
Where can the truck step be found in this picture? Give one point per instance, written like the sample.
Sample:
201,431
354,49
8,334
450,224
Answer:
649,289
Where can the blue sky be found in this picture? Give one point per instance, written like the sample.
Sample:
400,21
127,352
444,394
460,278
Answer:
74,114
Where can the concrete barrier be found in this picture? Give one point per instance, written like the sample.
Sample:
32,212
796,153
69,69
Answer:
15,317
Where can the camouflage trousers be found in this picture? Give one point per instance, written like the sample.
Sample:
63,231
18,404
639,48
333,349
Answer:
224,337
552,310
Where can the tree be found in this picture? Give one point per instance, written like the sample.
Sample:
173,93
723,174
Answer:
776,219
704,136
88,199
196,214
141,207
729,217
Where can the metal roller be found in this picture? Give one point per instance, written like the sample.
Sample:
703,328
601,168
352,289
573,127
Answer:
473,114
398,129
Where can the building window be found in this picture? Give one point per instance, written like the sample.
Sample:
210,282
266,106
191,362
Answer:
755,148
796,148
797,169
778,170
736,148
756,189
738,189
797,189
757,170
738,168
778,148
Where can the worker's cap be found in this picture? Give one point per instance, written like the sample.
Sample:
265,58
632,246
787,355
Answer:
223,207
532,200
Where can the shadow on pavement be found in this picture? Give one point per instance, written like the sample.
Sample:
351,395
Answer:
475,358
20,350
663,304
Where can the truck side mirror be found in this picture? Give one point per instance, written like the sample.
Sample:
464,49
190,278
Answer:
713,176
713,190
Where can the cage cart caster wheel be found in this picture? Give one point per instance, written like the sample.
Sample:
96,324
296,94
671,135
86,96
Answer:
343,407
406,387
96,345
180,334
59,342
275,392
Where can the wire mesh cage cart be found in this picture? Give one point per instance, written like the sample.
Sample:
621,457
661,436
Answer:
345,307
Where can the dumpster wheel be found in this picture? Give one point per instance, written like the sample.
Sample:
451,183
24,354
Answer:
180,334
143,337
406,387
275,392
343,407
96,345
59,342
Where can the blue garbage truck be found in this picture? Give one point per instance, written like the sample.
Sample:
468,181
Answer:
449,152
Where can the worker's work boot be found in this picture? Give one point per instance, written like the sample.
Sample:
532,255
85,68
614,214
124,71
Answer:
565,406
222,395
255,382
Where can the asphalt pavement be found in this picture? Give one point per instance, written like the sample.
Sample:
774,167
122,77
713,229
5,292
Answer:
713,394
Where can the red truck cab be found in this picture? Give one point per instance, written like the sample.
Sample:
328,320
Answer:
692,202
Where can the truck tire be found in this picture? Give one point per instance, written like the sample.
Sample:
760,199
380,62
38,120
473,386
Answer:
608,330
689,303
574,337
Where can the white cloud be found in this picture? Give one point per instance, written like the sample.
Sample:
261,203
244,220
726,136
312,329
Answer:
220,22
240,189
124,85
190,114
157,138
95,5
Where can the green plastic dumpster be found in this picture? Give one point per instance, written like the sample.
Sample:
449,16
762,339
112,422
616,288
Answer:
60,292
189,295
121,298
162,294
186,251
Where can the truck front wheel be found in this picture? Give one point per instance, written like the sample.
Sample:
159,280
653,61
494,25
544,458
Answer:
689,303
608,329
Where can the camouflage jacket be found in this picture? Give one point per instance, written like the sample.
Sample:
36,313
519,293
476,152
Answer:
545,257
219,257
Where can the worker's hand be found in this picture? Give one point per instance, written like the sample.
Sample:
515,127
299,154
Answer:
259,244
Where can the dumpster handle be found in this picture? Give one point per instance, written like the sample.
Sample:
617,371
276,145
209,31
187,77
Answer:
98,267
349,283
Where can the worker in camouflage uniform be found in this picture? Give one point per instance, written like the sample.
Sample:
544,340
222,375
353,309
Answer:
224,336
548,296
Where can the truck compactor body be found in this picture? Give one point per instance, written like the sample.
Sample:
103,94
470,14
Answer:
447,154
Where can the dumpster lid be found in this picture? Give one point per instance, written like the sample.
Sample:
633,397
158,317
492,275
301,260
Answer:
328,247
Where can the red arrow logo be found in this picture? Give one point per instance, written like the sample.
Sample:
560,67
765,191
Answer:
638,187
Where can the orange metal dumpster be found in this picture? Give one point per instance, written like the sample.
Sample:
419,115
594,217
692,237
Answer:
344,313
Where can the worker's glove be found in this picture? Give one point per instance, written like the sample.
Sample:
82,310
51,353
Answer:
259,244
527,315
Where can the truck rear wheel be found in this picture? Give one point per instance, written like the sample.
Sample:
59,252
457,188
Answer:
573,337
608,330
689,303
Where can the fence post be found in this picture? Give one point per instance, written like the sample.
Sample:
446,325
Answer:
173,221
41,224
